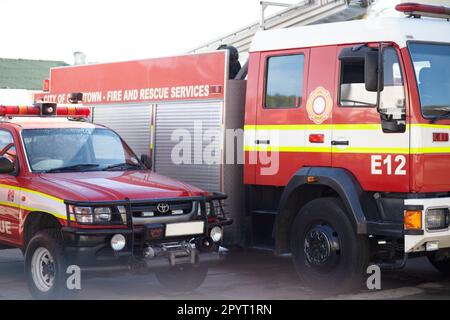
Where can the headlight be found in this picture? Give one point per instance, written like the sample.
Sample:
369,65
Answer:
89,215
208,208
216,234
102,214
83,214
437,219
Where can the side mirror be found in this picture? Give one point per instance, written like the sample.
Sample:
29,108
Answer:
147,161
6,165
371,70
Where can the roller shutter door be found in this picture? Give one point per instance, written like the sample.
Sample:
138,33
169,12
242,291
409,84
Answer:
131,122
170,117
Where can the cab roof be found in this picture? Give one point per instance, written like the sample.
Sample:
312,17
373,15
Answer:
397,30
45,123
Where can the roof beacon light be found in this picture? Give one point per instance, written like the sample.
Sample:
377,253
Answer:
418,10
45,110
73,111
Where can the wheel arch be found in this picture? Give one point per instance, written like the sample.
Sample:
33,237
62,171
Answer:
37,221
327,182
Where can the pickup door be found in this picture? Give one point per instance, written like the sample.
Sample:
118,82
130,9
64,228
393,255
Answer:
9,194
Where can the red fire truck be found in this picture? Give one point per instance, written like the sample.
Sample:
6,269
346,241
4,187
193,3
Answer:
346,137
74,193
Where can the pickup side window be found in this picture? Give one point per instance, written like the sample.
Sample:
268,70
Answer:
7,147
353,91
284,81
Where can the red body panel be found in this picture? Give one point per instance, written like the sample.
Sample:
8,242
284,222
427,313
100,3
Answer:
189,77
110,186
429,171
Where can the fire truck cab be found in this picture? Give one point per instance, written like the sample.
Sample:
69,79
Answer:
347,143
74,193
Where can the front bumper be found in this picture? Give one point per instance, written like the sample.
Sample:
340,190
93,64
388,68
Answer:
417,241
178,242
93,248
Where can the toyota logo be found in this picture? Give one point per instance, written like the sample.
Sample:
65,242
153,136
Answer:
163,207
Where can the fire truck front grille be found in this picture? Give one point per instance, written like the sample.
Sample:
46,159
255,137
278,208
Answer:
162,209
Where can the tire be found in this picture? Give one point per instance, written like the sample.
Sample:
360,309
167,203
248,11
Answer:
440,263
181,279
328,255
45,266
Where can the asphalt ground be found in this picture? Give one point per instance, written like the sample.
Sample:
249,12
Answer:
245,274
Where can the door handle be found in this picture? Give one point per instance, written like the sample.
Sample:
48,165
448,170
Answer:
340,143
262,141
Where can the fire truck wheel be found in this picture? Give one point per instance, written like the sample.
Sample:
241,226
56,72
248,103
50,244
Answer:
328,255
184,278
440,263
45,266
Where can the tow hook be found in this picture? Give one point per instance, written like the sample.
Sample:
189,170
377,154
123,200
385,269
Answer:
177,254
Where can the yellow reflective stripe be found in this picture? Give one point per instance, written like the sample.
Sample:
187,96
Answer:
432,126
31,191
314,127
372,150
58,215
9,204
350,150
287,149
15,205
372,126
430,150
328,149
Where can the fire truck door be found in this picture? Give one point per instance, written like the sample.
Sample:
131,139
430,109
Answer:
279,139
378,159
9,193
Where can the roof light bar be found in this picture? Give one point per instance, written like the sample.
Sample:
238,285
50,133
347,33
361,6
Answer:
73,111
417,10
45,110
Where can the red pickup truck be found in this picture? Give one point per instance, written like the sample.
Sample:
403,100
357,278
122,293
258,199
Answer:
74,193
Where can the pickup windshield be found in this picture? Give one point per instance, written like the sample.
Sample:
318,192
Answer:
77,150
432,68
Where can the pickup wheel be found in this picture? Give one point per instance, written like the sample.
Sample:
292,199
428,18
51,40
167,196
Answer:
184,278
45,266
328,255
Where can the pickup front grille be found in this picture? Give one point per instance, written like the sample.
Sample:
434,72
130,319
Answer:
162,209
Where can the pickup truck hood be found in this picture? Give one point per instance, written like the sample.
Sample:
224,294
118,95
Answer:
114,185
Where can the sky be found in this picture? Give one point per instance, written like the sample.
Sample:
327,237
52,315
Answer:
114,30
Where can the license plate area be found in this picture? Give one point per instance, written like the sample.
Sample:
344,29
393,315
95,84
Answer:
185,228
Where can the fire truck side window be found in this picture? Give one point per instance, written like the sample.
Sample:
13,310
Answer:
284,81
7,147
393,95
353,91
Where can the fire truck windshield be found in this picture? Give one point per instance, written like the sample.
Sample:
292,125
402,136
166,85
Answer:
432,68
77,150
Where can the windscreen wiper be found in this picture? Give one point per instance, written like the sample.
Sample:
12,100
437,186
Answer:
76,167
123,165
445,113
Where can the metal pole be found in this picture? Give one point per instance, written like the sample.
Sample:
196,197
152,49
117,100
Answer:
264,5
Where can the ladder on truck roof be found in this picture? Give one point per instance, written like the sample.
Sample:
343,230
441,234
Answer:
303,13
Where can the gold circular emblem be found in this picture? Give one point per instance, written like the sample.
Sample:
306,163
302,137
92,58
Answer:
319,105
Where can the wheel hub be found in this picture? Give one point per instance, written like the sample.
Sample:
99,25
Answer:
321,247
43,269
